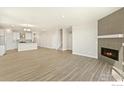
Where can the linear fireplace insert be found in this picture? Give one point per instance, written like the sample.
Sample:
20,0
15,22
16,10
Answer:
110,53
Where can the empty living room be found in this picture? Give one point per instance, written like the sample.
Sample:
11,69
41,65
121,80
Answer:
62,44
67,44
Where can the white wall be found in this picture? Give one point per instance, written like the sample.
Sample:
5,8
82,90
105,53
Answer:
2,42
69,38
64,41
69,41
10,42
85,39
49,39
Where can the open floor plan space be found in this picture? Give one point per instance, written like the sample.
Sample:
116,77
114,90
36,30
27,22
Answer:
62,44
52,65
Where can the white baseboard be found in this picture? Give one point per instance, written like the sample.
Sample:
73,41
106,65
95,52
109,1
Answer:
48,47
91,56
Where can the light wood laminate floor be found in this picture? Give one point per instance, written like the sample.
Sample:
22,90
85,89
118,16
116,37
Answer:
52,65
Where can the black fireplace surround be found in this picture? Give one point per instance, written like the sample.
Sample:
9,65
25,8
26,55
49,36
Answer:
110,53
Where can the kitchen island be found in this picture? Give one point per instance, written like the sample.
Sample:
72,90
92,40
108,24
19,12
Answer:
27,46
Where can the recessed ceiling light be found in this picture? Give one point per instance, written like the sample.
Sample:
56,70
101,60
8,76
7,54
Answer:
8,30
29,29
63,16
25,29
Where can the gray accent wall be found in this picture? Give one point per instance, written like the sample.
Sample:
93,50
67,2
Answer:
112,24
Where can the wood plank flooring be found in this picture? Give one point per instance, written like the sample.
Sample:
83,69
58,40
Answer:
52,65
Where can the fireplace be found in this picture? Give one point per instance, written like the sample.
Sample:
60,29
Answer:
110,53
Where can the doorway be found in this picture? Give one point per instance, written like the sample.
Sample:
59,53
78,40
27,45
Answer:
65,39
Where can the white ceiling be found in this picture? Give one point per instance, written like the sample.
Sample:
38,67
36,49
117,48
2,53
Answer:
53,17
